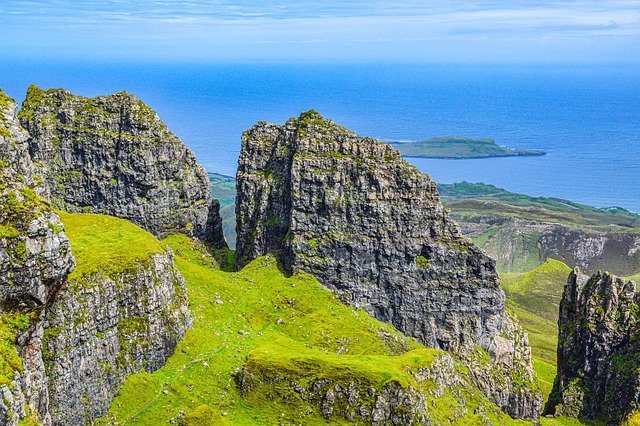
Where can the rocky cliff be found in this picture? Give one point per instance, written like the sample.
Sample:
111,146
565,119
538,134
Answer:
371,227
598,349
106,325
113,155
67,342
35,258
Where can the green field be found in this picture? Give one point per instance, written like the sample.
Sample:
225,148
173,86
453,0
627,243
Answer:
458,147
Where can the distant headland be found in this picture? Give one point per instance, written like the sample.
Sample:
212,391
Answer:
459,147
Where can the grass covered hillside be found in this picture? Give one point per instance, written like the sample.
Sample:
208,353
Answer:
458,147
264,347
223,188
535,299
521,232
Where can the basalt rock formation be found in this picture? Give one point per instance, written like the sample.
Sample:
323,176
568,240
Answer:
598,349
371,227
113,155
106,326
35,258
67,344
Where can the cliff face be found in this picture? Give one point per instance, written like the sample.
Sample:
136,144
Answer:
70,342
521,245
598,346
34,251
113,155
371,227
107,326
35,258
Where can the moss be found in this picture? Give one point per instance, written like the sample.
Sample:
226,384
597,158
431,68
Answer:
10,362
422,262
106,243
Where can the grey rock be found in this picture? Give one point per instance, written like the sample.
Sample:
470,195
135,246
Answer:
113,155
85,335
371,227
598,346
35,258
105,327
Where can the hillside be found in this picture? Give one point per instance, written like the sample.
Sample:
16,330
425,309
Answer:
459,147
263,345
521,232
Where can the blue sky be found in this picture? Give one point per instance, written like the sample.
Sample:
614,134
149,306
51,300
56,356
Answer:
323,31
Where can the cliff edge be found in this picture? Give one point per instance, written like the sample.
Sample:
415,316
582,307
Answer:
113,155
371,227
598,349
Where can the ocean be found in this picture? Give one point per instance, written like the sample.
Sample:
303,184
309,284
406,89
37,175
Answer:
586,117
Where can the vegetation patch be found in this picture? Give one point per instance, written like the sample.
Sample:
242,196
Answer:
458,147
261,320
106,243
10,362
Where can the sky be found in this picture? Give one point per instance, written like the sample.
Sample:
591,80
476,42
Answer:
420,31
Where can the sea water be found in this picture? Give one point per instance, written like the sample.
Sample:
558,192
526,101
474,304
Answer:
586,117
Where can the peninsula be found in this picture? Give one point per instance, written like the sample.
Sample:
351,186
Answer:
459,147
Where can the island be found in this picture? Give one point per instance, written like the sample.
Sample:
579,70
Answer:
458,147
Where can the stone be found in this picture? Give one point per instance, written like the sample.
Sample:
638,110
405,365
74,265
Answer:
371,227
598,373
113,155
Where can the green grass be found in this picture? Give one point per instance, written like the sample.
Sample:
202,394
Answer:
273,325
107,243
539,291
10,361
458,147
223,188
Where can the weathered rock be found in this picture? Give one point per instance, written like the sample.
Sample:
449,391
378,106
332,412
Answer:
35,258
113,155
79,340
358,397
371,227
598,349
107,326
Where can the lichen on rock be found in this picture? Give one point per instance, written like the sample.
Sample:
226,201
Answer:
113,155
598,374
371,227
35,258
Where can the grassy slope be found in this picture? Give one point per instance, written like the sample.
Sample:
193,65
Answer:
265,318
458,147
100,242
534,297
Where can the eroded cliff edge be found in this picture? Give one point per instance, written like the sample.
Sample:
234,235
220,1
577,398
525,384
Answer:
113,155
598,373
68,341
371,227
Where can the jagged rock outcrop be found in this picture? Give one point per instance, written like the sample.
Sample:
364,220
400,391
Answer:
107,326
371,227
598,349
75,339
113,155
35,258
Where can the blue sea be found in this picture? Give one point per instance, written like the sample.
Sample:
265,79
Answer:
586,117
